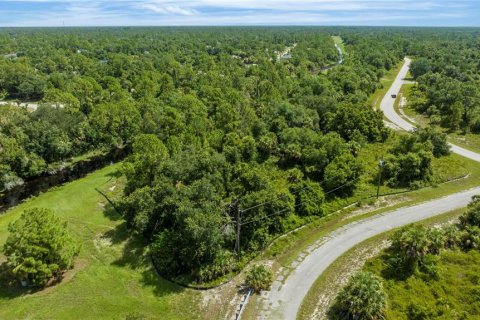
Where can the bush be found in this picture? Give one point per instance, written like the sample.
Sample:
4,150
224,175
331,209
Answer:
416,312
363,298
310,198
341,174
472,215
438,140
471,237
39,247
418,248
409,162
259,278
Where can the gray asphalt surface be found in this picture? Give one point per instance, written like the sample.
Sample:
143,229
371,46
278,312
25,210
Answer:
283,301
387,106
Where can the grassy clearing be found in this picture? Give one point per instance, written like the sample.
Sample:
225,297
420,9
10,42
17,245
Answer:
454,295
112,278
323,291
468,141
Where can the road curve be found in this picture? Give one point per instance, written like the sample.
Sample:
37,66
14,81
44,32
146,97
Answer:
284,300
387,106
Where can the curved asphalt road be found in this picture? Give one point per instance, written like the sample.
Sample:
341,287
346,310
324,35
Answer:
284,299
387,106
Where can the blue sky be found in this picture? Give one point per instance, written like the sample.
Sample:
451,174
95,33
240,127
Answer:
239,12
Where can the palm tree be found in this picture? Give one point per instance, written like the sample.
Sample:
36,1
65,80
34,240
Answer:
437,239
452,236
362,298
411,244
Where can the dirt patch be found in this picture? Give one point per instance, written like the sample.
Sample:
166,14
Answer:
67,276
383,202
222,302
339,279
101,241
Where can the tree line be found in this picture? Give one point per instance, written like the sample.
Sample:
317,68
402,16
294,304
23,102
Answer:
224,134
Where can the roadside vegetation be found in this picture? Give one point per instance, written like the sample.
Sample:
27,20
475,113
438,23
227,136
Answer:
232,144
426,272
463,138
258,278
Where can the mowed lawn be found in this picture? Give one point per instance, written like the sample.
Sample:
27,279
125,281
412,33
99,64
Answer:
112,278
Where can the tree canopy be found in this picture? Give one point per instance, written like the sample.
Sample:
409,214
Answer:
39,247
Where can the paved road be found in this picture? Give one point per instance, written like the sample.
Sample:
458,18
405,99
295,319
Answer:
387,106
284,299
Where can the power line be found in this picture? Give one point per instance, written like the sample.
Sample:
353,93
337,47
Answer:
284,210
294,192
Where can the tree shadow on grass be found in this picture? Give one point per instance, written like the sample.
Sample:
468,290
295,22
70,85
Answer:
136,256
335,312
10,288
161,286
117,235
115,174
112,213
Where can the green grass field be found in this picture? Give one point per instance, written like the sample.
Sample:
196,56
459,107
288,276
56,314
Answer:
112,279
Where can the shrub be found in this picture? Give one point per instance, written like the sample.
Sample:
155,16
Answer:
438,140
39,247
410,245
362,298
310,198
342,174
471,237
472,215
453,236
416,312
259,278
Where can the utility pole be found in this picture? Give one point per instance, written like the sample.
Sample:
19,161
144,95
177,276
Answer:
381,163
239,224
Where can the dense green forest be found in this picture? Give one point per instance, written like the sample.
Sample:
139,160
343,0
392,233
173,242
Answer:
448,74
222,125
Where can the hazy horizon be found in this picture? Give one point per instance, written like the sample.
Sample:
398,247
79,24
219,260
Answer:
401,13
